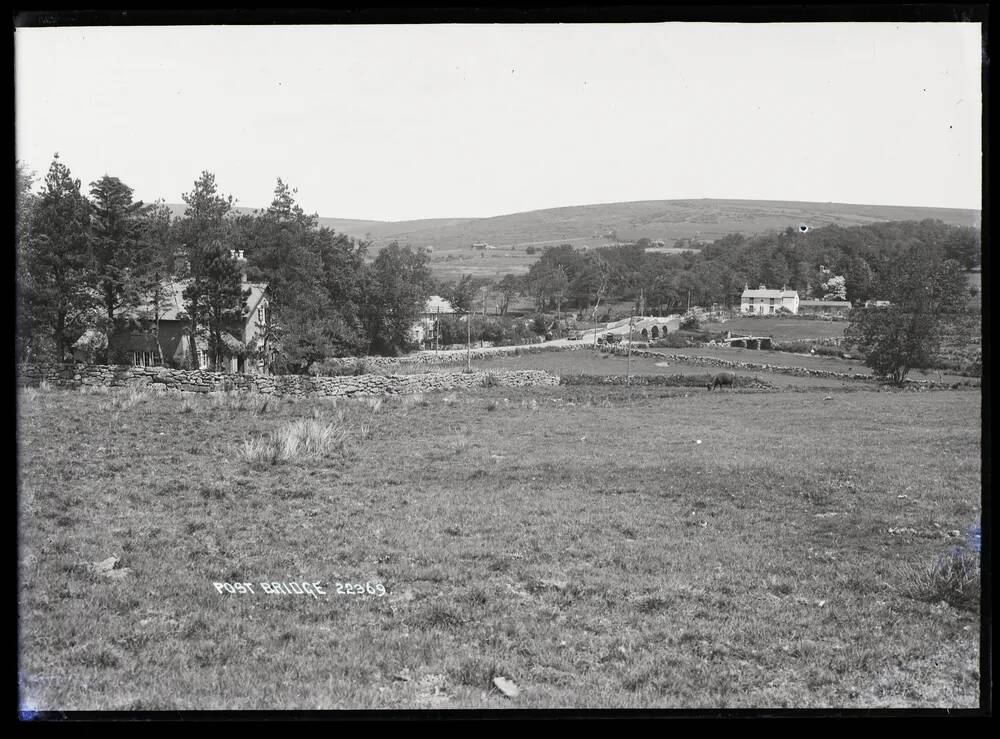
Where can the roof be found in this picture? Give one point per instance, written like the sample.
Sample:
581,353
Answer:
233,344
770,293
436,304
174,300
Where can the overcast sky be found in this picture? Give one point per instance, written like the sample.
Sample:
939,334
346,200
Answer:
403,122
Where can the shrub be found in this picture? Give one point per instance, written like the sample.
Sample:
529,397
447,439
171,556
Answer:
491,379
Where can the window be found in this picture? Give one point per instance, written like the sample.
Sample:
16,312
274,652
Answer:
260,316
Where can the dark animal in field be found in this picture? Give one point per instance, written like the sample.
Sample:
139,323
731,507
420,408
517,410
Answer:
723,378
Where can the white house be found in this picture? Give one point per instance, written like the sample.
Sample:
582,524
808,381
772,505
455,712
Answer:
425,328
767,302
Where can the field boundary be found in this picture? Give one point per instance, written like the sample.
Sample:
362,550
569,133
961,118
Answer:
199,381
780,369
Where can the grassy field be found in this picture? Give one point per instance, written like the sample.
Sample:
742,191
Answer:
587,549
597,362
782,329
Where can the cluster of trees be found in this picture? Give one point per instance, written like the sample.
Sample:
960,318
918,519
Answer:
916,266
832,262
86,264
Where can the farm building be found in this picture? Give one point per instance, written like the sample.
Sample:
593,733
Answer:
824,307
766,302
425,329
137,342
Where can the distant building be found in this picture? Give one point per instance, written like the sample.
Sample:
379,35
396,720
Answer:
425,329
480,245
824,307
877,304
764,302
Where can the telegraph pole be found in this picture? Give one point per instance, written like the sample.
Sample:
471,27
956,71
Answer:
468,343
628,364
482,342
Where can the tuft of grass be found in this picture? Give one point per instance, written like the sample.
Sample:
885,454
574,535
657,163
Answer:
954,578
292,442
491,379
94,390
475,672
241,401
128,398
189,404
412,401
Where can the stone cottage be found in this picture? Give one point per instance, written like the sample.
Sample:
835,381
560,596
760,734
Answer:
243,337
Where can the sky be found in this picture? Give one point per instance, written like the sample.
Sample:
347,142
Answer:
400,122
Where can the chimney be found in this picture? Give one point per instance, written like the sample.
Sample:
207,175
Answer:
241,261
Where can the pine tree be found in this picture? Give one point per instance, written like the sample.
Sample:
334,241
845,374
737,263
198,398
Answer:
202,232
220,296
60,281
116,224
23,207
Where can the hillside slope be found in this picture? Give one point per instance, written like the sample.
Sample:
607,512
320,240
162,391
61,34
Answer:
587,225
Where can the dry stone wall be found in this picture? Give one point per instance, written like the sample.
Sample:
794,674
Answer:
444,357
162,378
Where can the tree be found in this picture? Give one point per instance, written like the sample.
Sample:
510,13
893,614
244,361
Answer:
202,232
835,288
397,287
116,223
156,268
285,250
24,204
216,296
59,277
509,286
905,335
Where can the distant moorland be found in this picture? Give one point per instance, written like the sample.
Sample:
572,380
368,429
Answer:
588,225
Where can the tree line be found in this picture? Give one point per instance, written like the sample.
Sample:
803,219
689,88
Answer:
856,264
87,263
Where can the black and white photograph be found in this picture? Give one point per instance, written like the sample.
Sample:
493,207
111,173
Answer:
495,366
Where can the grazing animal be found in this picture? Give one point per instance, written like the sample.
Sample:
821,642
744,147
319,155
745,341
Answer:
723,378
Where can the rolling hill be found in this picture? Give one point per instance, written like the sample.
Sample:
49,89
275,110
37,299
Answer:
586,225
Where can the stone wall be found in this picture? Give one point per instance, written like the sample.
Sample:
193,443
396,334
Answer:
162,378
698,381
784,370
444,357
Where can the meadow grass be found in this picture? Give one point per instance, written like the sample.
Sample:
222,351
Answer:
581,543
